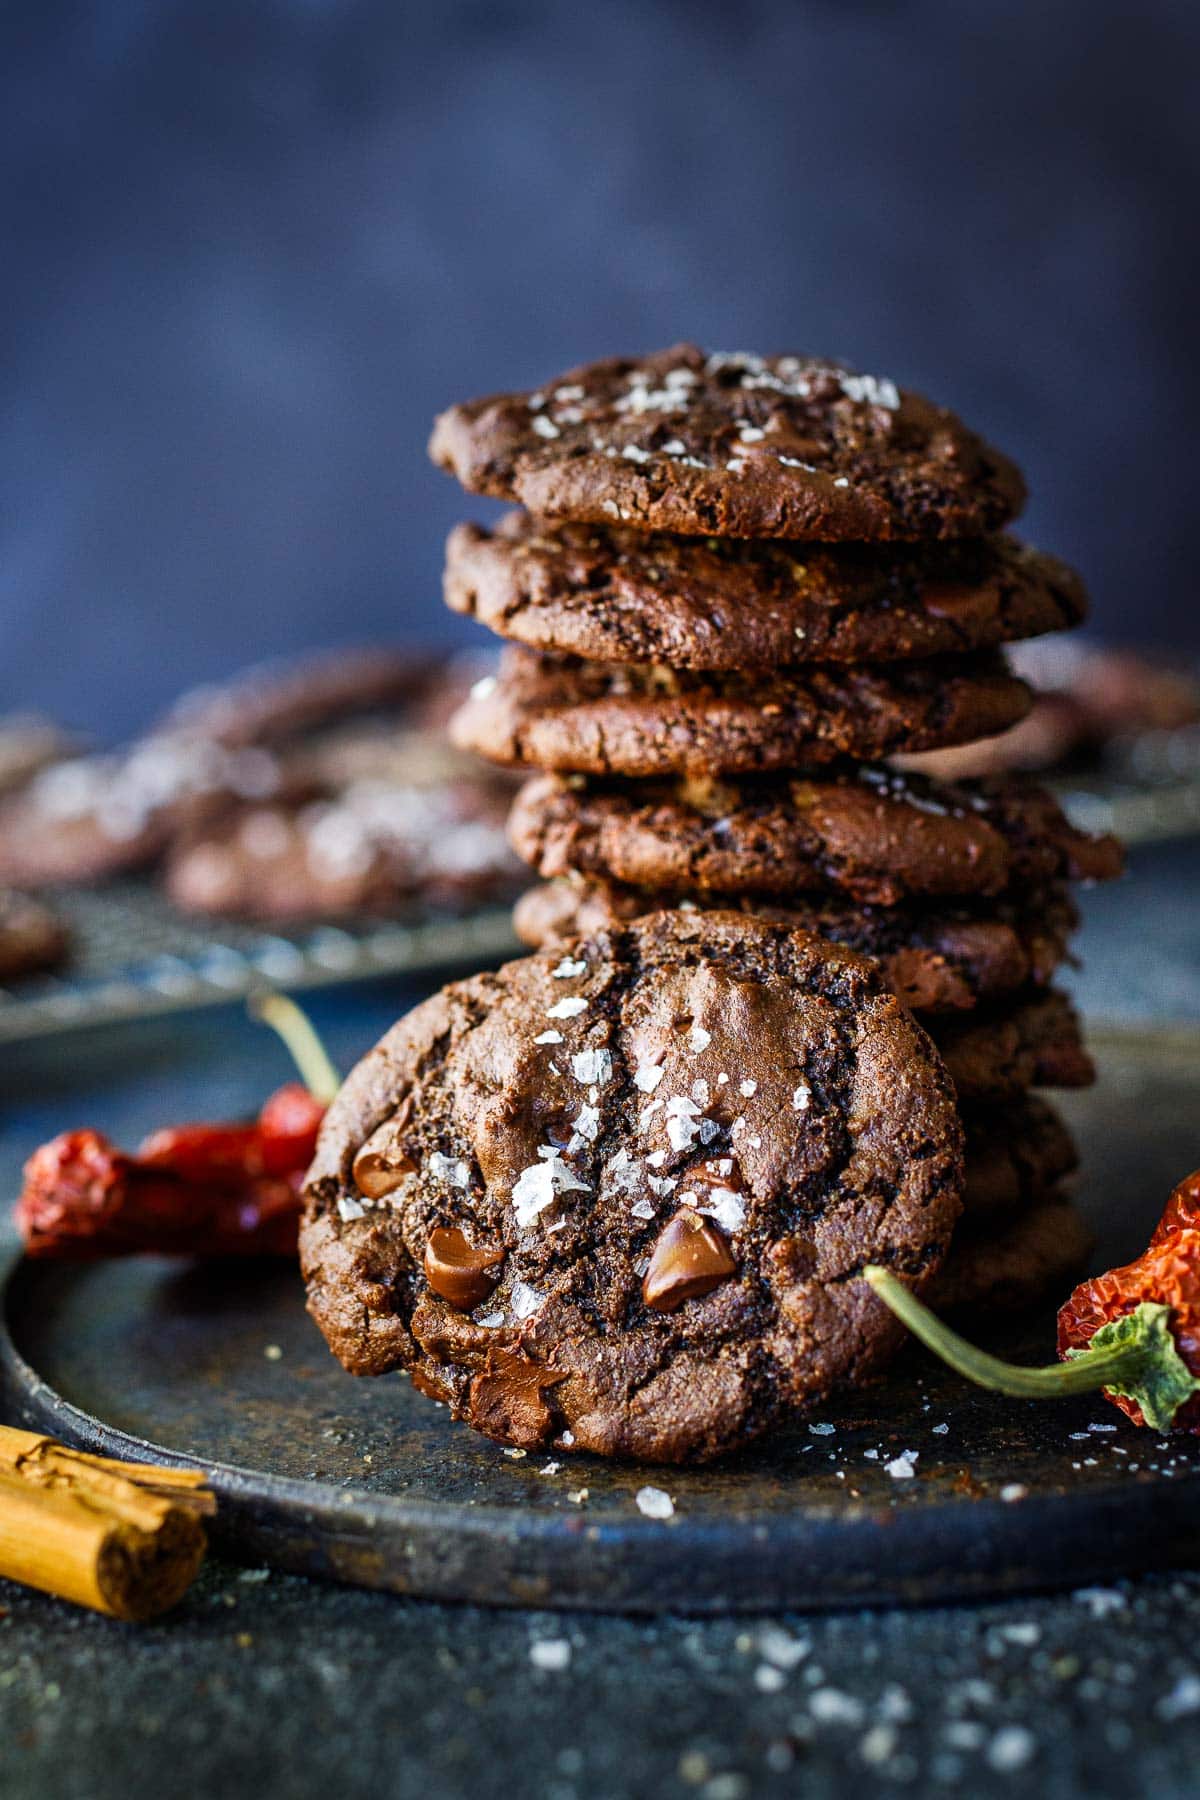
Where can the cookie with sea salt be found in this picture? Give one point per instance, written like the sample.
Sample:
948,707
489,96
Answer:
732,446
368,850
618,1200
548,712
616,595
937,959
276,701
98,816
872,834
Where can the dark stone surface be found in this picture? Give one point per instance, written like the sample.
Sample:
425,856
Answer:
278,1685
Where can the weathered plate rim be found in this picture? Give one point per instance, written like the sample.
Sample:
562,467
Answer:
453,1551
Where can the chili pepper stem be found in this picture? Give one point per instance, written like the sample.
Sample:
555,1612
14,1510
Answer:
1134,1355
307,1051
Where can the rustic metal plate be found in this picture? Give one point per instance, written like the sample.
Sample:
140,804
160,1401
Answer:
368,1482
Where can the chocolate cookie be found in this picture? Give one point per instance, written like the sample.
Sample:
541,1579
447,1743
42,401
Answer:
618,1200
1033,1258
997,1053
732,446
873,834
276,701
367,851
1016,1155
724,603
946,960
559,713
97,816
31,938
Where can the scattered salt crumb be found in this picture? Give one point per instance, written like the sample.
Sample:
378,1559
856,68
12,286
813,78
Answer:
722,1079
876,1746
1011,1748
801,1097
549,1037
1024,1632
775,1645
1013,1490
525,1300
545,427
491,1320
1100,1601
699,1039
1184,1698
901,1468
822,1430
726,1208
567,1438
642,1209
570,1008
592,1067
577,1496
647,1076
939,1430
550,1468
894,1704
550,1654
1102,1427
273,1353
349,1208
449,1169
654,1503
747,1088
251,1577
567,970
871,1455
768,1680
833,1707
516,1455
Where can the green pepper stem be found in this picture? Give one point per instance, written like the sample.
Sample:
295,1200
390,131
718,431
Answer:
1134,1356
298,1033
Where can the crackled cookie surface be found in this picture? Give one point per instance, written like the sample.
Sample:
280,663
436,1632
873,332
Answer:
618,1199
732,445
727,603
547,712
872,833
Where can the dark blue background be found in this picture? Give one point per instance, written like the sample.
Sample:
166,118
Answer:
248,250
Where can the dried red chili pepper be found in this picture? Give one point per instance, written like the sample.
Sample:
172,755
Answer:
1133,1332
203,1189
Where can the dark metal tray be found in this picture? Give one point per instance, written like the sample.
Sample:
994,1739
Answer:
368,1482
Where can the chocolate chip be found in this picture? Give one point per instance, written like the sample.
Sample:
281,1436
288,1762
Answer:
376,1174
506,1398
458,1271
690,1258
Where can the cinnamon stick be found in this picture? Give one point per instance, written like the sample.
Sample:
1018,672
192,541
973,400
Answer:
123,1538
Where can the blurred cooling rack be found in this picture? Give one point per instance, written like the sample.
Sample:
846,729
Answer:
134,956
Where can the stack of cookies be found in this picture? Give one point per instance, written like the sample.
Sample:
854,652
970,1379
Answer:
739,587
